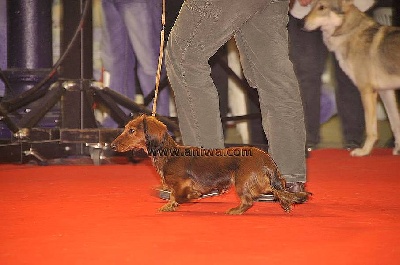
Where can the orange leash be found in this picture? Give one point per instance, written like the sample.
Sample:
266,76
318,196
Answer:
160,58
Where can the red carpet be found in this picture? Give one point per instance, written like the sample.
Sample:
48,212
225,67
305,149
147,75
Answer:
108,215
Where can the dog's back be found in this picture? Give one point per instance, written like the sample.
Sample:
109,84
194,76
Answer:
388,58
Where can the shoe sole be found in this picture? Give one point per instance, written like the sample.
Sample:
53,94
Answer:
164,194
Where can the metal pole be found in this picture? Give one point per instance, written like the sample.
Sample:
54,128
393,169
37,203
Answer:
29,43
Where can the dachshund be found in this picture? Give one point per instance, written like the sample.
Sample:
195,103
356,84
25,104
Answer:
190,172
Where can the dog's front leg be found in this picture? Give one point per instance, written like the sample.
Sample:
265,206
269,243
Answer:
389,101
369,100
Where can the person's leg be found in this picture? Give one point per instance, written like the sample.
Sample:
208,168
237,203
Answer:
201,28
117,54
350,109
142,20
256,129
263,45
220,79
308,54
116,50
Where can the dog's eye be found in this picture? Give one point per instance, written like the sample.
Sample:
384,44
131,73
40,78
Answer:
321,8
131,131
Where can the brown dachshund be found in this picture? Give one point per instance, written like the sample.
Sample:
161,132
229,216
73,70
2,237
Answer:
190,172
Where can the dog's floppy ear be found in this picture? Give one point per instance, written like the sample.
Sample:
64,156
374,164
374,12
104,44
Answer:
155,133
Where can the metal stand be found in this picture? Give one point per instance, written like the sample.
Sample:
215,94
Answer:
74,130
75,99
68,97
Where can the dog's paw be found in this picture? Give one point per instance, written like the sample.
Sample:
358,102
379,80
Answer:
169,207
234,211
359,152
239,209
286,207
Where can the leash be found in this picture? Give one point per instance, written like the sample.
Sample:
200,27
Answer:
160,58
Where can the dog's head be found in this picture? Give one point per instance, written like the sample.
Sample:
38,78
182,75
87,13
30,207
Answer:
327,15
144,132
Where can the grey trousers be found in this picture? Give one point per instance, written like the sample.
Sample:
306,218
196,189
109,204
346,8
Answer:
259,28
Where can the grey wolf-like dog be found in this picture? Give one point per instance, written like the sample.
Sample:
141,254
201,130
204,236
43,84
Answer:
369,53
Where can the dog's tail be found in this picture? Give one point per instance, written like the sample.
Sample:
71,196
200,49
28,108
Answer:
287,198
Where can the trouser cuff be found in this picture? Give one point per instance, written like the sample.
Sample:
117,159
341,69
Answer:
295,178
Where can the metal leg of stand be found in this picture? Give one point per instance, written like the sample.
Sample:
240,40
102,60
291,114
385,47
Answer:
6,119
116,112
97,152
22,100
135,108
34,153
41,107
76,105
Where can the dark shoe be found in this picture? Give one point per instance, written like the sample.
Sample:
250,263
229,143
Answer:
351,145
390,143
211,194
290,186
309,148
295,187
266,198
165,194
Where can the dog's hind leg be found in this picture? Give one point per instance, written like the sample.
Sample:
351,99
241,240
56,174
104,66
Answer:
369,100
389,101
247,188
246,201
